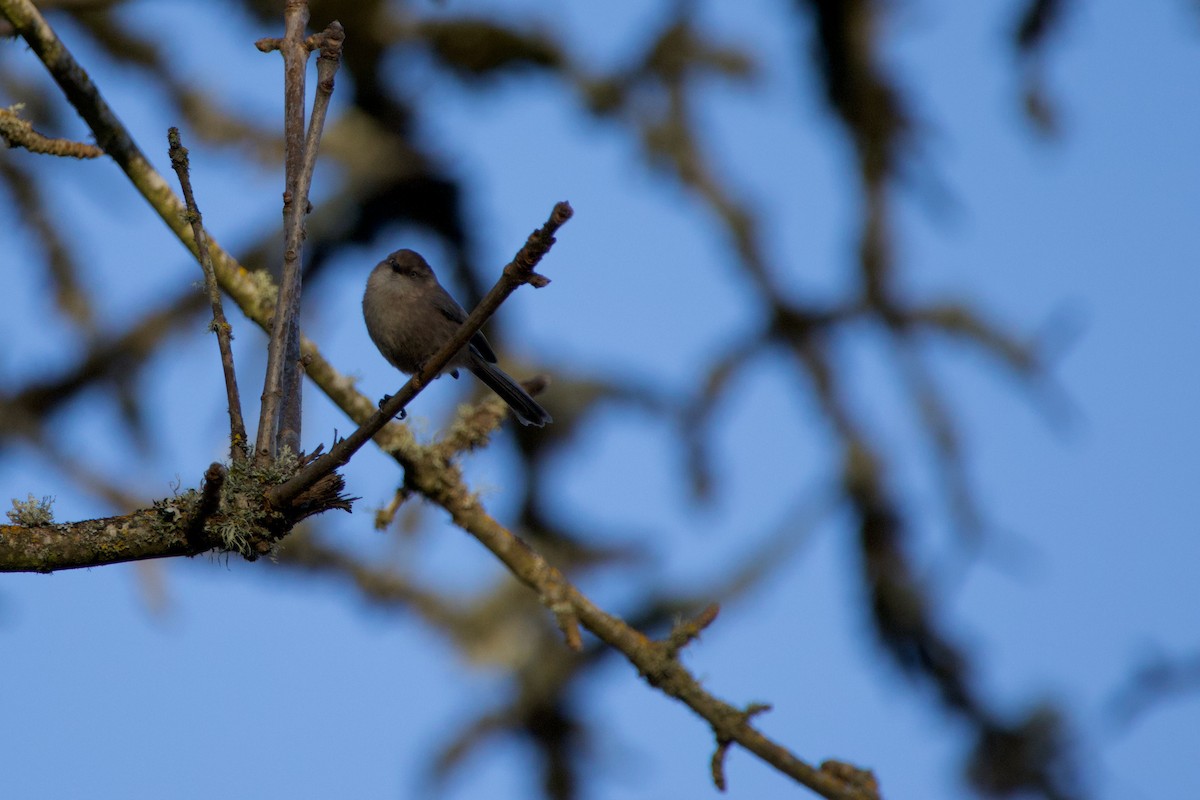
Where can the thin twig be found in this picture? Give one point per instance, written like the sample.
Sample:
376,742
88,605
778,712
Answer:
281,385
17,132
330,41
221,326
519,271
688,631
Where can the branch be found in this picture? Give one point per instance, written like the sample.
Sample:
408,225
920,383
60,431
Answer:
279,422
40,216
174,527
116,141
517,272
237,427
108,360
227,515
656,662
279,417
330,42
17,132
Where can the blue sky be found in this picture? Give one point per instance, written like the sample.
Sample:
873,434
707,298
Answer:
255,684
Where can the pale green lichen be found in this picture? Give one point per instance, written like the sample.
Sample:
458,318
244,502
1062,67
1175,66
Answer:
244,520
174,511
32,512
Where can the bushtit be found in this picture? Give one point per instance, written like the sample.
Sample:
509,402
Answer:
409,316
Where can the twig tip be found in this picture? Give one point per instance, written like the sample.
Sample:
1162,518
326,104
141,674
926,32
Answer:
687,631
718,763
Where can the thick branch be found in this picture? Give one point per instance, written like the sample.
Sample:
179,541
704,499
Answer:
174,527
227,515
293,370
94,542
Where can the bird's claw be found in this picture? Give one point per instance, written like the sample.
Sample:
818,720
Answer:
383,401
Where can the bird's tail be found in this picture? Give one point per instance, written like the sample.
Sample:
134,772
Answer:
525,407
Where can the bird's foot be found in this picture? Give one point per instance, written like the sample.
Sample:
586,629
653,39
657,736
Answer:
383,401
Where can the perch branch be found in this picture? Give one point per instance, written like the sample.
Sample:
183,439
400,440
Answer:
519,271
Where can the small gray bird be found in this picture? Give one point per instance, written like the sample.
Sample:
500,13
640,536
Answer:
409,316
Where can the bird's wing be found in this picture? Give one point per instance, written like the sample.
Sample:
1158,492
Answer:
452,311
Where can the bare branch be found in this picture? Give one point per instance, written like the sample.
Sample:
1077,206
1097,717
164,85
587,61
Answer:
1157,679
279,421
330,40
110,359
237,427
39,215
688,631
724,743
114,138
279,417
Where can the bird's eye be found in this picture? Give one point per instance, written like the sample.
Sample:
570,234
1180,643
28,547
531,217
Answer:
394,264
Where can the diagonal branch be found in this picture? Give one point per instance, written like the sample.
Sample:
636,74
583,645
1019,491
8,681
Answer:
656,661
518,272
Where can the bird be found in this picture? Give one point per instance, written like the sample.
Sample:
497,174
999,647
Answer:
409,316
